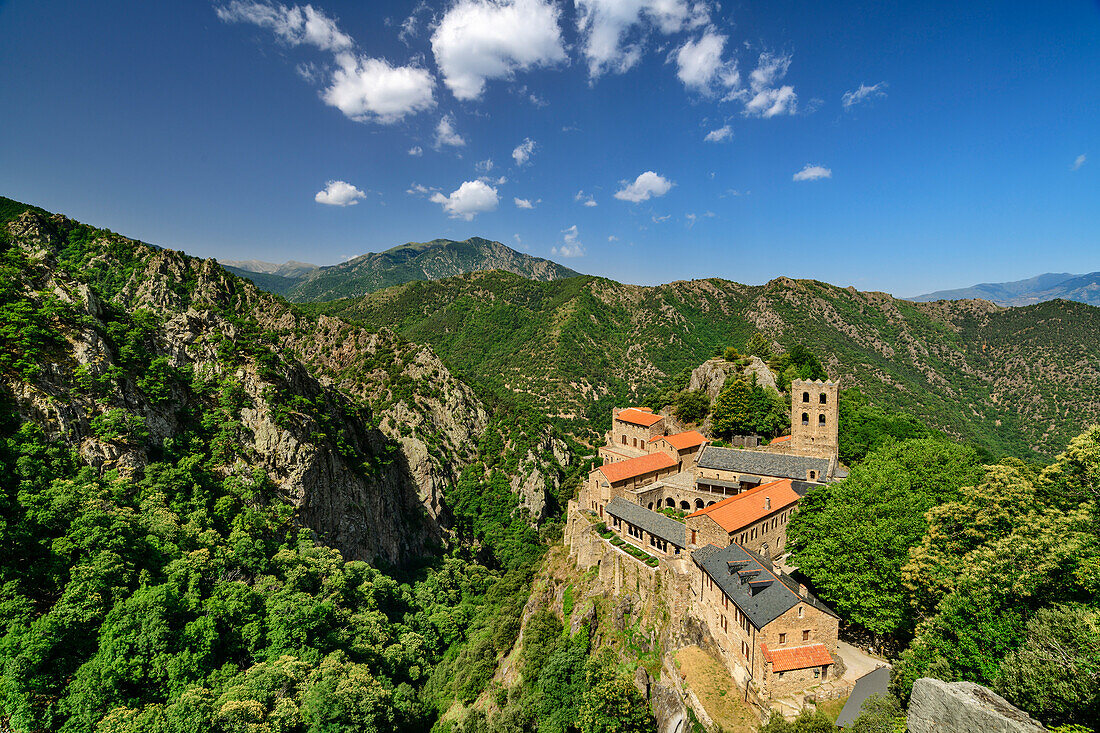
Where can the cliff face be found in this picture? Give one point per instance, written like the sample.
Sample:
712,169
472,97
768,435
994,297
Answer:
359,430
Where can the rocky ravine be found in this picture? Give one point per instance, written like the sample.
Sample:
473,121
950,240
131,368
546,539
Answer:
376,428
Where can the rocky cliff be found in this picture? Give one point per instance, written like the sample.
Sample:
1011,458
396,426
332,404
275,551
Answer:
360,430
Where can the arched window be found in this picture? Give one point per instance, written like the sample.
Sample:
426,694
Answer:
698,503
805,396
813,475
822,399
651,505
684,506
805,418
820,419
670,502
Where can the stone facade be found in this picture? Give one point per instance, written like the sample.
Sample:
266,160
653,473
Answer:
815,418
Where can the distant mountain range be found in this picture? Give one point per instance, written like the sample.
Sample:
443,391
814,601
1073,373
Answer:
434,260
1038,289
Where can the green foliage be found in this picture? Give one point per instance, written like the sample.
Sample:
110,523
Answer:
120,426
865,427
852,538
611,702
692,406
879,714
808,721
744,408
759,346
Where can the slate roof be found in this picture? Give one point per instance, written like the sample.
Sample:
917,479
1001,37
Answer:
640,466
875,682
658,525
763,604
779,465
797,657
638,417
749,507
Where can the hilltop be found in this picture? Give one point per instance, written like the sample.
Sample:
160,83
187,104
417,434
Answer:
1048,286
1019,381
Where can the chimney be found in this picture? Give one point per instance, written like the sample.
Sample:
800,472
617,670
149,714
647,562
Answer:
802,589
767,503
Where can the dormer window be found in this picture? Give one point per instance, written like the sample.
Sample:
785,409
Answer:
805,396
813,475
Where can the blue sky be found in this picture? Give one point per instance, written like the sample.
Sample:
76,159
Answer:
971,154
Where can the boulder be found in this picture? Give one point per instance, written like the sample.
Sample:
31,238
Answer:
937,707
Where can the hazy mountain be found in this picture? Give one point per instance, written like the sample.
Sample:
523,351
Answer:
290,269
432,260
1048,286
1018,380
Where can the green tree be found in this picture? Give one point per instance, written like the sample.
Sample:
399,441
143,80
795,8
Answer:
611,704
733,413
692,406
879,714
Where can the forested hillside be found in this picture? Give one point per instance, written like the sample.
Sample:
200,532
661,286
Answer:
219,515
1020,381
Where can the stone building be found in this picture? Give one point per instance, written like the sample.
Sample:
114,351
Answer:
755,519
655,533
746,469
815,417
684,447
771,632
621,478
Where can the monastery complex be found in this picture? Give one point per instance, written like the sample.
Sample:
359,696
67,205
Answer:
700,528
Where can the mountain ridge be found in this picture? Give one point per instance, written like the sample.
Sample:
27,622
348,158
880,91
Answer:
1083,288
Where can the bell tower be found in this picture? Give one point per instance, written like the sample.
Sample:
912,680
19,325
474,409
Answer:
814,418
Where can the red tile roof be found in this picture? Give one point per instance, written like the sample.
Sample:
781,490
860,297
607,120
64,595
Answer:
780,439
681,441
640,466
797,657
748,507
638,417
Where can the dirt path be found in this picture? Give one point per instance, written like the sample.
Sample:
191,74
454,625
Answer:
858,662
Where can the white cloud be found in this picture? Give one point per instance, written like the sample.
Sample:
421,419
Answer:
585,199
570,246
1079,161
479,40
645,186
484,166
469,200
295,25
445,133
612,238
700,66
613,31
863,94
524,203
813,173
339,193
763,97
371,90
720,135
416,151
660,219
523,152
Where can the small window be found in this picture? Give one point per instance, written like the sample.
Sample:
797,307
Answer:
805,635
782,638
820,419
800,611
813,475
822,399
817,673
805,396
780,675
805,418
624,440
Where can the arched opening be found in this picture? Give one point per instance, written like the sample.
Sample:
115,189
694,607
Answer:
710,503
813,475
805,396
684,506
805,418
822,399
698,503
651,505
820,419
670,503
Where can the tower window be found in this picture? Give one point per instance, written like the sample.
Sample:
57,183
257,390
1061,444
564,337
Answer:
820,419
823,399
805,418
805,396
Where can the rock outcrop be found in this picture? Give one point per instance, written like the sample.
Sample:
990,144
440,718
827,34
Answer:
938,707
712,374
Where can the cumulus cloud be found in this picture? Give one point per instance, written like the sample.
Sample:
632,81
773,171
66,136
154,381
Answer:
863,94
523,152
585,199
813,173
478,40
339,193
445,133
524,203
416,151
294,25
1078,162
613,31
764,97
570,246
700,66
720,135
371,90
646,186
469,200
